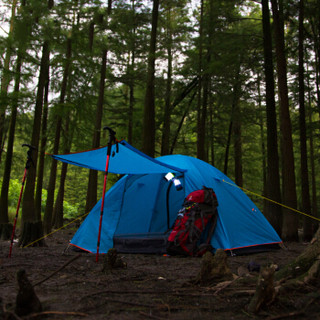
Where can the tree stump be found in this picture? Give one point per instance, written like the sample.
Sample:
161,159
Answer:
265,291
112,261
214,268
27,301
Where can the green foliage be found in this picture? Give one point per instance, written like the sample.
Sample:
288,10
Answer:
70,211
232,38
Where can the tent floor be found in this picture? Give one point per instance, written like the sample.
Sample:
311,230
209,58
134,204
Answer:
141,243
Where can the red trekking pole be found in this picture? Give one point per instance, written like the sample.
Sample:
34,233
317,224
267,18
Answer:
28,164
112,139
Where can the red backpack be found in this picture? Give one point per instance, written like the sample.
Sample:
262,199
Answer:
195,221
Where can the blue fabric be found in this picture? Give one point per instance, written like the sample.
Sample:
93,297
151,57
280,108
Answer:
136,204
126,160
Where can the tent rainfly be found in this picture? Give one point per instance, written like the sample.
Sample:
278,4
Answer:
142,206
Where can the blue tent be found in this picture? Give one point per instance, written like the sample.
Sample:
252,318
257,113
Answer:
141,207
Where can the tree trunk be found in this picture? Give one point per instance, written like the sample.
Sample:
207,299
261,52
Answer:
175,138
38,199
5,79
226,156
131,99
305,192
165,144
58,212
262,139
314,205
131,69
290,222
148,131
237,138
5,226
31,226
47,219
200,103
273,212
93,174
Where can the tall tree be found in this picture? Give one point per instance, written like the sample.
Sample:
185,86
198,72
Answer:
47,219
40,173
5,226
93,174
31,225
58,211
5,78
148,133
290,222
305,193
165,143
273,211
237,136
202,98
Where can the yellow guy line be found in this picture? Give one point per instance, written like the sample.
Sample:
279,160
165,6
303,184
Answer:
49,234
278,203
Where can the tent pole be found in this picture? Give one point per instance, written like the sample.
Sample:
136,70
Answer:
111,140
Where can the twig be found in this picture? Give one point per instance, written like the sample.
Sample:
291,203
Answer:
287,315
151,316
10,314
172,293
186,307
224,286
66,313
130,302
55,272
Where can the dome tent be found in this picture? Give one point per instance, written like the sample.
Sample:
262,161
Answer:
141,207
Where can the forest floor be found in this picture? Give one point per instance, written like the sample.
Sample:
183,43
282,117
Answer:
150,287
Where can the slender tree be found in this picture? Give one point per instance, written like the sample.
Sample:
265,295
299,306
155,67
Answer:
165,144
40,174
273,211
47,219
5,78
58,211
290,222
148,133
93,174
305,193
31,225
201,103
5,226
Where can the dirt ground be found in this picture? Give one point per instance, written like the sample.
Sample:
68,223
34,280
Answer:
151,287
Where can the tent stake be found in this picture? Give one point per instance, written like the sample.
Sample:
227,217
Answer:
112,139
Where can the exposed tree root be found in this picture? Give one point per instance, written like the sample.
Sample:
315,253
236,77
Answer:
214,268
297,275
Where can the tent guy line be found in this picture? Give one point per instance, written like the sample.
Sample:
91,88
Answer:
270,200
51,233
